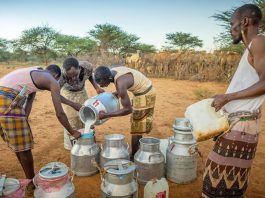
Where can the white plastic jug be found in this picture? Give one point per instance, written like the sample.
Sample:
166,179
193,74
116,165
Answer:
205,121
156,189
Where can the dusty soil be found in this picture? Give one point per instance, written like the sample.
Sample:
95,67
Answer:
172,99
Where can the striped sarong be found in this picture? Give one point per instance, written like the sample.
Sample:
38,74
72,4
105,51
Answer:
228,165
72,114
143,111
14,126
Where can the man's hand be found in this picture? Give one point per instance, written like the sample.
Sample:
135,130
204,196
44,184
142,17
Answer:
76,106
102,115
219,101
100,90
76,134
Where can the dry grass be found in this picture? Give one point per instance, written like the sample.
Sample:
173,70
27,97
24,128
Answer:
201,94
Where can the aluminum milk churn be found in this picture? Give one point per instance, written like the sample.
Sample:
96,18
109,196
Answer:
118,181
83,153
114,148
149,160
106,102
53,181
181,153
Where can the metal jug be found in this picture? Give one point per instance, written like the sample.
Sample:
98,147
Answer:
118,181
106,102
181,153
149,160
53,181
114,148
83,153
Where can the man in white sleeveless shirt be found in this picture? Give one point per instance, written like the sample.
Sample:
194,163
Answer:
229,163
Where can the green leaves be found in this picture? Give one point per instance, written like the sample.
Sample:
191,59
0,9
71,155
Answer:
183,41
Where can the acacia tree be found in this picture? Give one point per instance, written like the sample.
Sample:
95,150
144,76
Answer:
67,45
4,53
39,41
112,39
183,41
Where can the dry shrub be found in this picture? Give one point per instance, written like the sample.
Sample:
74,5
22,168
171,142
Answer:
189,65
202,94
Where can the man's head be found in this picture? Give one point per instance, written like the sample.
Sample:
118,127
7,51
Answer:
54,70
103,76
244,17
71,68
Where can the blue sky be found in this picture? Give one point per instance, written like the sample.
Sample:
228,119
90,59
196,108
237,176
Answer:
151,20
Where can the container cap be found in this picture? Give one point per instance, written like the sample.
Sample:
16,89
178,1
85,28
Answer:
87,135
119,167
11,185
182,124
53,170
114,137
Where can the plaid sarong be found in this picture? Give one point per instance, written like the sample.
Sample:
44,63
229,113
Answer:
228,165
143,111
14,126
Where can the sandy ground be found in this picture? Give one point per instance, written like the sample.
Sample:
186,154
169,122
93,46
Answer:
172,99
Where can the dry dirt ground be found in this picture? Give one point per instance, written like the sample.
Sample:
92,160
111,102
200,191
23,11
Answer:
172,99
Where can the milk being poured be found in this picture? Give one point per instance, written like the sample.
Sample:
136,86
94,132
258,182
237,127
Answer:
88,124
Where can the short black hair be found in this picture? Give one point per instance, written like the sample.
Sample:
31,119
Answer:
54,69
102,73
69,63
251,11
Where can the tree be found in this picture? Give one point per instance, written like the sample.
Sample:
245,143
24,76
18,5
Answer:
112,39
39,41
4,53
183,41
223,40
67,45
145,48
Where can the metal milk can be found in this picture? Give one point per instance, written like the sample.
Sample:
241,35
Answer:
118,181
106,102
114,148
53,181
181,153
149,160
83,153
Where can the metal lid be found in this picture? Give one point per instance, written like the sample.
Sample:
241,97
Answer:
114,137
119,167
11,185
182,124
53,170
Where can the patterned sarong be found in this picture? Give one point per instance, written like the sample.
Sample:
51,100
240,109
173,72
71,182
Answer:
228,165
14,127
143,110
72,114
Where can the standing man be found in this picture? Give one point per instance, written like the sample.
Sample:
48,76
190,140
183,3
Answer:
72,82
143,102
14,126
228,165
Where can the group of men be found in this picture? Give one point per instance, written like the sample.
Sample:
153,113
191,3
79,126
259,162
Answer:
228,165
